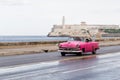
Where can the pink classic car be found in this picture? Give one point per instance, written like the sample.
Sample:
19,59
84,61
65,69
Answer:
77,45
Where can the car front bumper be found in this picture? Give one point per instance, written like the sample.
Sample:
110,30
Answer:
68,51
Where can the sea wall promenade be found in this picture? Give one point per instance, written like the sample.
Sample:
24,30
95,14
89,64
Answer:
19,48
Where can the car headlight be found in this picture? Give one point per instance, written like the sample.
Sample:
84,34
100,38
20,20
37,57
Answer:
60,46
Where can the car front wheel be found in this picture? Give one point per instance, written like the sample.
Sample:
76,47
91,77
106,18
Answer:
79,53
62,54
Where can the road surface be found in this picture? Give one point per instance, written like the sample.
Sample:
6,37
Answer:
34,58
103,66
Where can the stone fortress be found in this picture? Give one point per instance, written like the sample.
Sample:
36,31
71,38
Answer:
77,29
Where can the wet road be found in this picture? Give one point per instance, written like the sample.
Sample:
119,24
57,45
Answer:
34,58
90,67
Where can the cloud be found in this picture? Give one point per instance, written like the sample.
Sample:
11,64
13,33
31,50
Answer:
38,16
13,2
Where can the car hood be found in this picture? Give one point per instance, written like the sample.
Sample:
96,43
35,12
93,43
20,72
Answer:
70,44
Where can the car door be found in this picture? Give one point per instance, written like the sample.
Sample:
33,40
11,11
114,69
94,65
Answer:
88,46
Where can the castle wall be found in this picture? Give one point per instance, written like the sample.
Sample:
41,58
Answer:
76,29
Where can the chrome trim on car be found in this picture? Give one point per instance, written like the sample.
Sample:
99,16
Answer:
69,51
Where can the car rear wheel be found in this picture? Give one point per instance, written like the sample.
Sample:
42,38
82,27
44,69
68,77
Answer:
62,54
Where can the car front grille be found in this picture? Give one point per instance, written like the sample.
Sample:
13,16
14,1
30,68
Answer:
72,49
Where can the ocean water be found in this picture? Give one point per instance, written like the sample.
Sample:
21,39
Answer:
30,38
34,38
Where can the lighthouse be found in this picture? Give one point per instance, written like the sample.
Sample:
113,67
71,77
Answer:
63,22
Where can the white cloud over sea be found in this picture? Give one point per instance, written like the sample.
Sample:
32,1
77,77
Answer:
36,17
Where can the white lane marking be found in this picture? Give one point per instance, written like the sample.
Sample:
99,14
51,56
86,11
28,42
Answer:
79,69
109,55
22,68
98,56
92,67
31,74
53,70
33,66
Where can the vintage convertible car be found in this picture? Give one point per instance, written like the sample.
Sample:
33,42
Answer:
78,45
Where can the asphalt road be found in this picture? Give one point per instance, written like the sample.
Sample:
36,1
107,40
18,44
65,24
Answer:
105,66
42,57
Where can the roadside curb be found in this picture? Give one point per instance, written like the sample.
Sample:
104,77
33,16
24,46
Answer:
43,50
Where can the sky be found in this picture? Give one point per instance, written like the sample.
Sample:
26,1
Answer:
37,17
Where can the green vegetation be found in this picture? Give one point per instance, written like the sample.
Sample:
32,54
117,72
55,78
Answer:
112,30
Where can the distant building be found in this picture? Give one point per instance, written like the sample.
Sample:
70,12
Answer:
76,29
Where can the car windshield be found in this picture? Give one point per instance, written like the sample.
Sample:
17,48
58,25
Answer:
76,39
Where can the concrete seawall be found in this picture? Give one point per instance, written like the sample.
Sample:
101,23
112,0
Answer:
20,48
28,43
108,39
47,42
